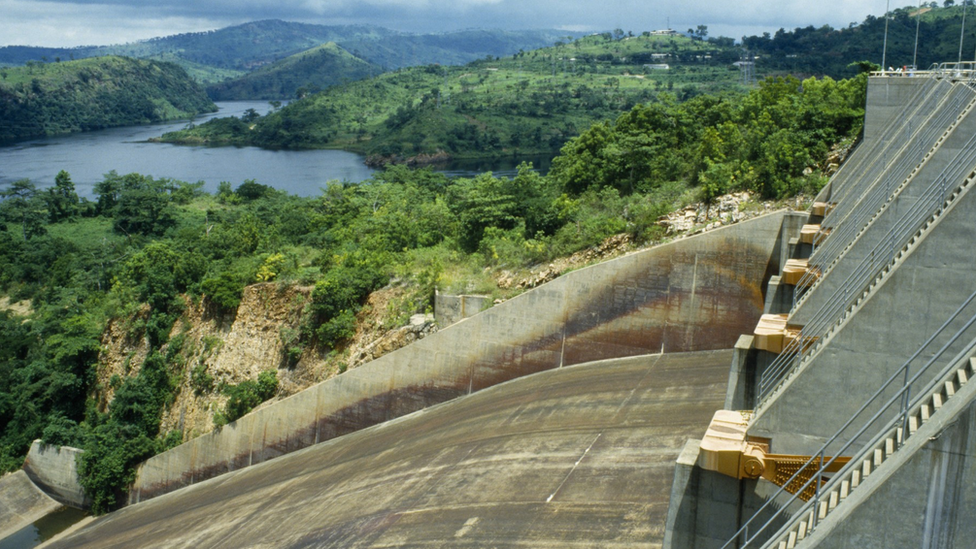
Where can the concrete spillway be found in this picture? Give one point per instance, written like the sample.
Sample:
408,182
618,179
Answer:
578,456
694,294
21,503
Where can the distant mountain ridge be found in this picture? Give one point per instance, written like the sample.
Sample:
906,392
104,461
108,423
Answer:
251,45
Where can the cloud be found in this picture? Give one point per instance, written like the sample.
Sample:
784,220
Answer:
85,22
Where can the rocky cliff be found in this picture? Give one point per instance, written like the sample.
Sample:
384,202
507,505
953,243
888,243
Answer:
218,349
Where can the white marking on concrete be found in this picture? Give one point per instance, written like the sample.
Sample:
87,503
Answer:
468,525
552,495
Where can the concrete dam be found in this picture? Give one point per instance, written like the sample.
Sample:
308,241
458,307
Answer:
798,380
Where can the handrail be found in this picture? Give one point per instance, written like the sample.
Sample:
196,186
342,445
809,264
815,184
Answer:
921,100
820,458
930,202
855,169
867,206
908,157
955,70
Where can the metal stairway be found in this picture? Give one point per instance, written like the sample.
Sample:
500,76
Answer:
903,237
871,205
899,417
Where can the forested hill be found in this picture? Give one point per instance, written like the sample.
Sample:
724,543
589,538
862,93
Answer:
307,72
232,51
57,98
827,51
526,103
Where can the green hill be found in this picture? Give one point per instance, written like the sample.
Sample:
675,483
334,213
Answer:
230,52
56,98
310,71
530,102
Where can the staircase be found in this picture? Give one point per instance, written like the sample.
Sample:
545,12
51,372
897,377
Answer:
874,458
845,231
912,406
903,237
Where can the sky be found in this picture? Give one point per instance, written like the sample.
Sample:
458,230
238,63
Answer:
67,23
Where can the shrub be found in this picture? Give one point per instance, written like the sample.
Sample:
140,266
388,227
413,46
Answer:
247,394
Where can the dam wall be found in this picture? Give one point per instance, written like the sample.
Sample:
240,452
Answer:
54,469
925,501
694,294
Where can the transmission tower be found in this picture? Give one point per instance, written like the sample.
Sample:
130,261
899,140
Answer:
747,66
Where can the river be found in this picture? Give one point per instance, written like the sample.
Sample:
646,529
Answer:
88,156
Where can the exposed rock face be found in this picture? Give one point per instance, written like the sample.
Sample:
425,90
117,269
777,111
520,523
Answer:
18,308
229,348
611,247
421,325
122,355
724,210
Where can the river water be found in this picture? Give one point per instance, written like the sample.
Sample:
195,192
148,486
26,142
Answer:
88,156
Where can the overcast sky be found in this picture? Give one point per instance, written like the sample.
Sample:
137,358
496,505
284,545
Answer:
66,23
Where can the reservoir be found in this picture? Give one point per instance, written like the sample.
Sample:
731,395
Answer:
88,156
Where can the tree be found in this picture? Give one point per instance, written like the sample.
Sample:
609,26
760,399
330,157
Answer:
22,204
143,207
62,200
249,116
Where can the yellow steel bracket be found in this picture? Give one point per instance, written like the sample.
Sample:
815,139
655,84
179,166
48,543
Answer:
727,449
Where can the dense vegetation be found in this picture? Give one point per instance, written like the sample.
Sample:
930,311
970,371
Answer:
145,246
230,52
55,98
528,103
296,76
828,51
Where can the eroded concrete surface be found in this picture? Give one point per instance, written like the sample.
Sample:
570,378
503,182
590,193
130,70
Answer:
21,503
574,457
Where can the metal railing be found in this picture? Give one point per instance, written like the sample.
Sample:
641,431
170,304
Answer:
874,201
921,133
905,400
855,168
963,70
931,203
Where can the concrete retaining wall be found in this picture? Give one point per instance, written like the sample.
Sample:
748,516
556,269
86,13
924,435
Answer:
54,470
698,293
451,309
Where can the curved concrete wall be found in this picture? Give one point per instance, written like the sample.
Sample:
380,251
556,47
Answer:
695,294
577,457
21,503
54,469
